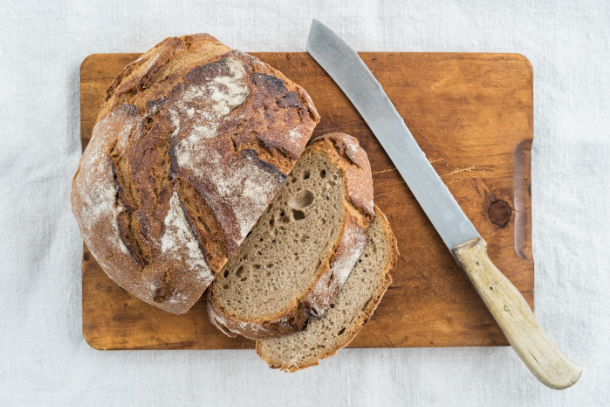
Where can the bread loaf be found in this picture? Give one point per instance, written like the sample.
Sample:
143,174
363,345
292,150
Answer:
303,247
348,313
191,143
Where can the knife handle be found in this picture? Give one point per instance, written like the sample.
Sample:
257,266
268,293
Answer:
515,317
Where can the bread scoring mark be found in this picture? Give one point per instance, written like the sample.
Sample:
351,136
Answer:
99,203
178,235
96,185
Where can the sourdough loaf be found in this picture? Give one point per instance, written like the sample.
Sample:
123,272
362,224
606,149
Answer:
303,247
191,143
348,313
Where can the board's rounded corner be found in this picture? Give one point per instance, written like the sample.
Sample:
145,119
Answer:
87,61
91,342
523,58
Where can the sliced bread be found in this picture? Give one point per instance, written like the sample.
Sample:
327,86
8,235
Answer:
350,310
300,252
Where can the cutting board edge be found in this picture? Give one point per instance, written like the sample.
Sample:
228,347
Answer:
93,342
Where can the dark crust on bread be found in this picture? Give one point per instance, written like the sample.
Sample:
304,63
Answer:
349,148
191,143
370,309
335,268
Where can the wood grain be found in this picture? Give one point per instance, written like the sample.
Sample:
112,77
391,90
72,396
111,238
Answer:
471,114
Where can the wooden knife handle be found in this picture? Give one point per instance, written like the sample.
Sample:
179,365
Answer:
515,318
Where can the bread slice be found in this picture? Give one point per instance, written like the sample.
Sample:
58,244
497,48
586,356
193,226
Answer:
350,310
299,254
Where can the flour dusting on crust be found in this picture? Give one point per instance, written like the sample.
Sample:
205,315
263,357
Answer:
178,235
353,243
226,92
235,180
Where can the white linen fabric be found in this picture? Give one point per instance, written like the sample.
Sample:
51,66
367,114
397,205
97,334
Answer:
44,360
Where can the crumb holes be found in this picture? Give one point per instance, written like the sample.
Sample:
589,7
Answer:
269,265
294,180
301,200
306,175
366,255
226,273
239,272
272,222
298,215
225,287
324,221
323,174
328,198
244,279
341,331
257,266
332,305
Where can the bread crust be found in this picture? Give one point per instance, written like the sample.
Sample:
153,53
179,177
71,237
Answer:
345,152
354,329
191,143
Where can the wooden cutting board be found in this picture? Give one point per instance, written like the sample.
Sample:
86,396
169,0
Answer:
470,113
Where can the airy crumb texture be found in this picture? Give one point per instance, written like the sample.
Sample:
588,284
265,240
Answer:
350,310
281,257
301,250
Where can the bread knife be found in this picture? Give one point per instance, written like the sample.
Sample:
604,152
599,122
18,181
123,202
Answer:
504,301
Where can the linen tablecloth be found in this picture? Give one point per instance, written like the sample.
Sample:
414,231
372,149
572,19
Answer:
44,360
